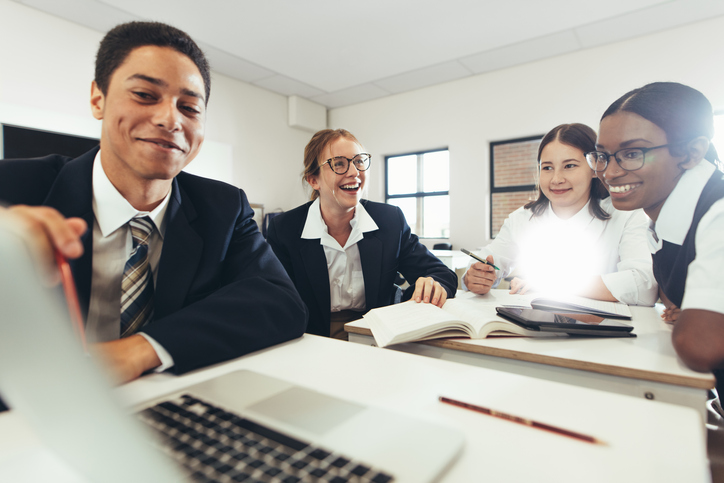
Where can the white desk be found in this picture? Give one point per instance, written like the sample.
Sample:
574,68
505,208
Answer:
646,366
455,260
646,441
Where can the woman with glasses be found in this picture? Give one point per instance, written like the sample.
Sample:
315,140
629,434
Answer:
654,152
342,252
570,240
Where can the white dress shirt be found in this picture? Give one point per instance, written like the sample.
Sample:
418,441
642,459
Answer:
704,287
112,245
346,282
557,255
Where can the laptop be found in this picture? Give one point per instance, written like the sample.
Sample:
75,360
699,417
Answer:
240,417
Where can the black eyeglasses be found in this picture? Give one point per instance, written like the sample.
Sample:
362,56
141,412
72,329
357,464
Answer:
629,159
340,164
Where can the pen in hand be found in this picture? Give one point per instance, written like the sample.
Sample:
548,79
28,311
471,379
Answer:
519,420
482,260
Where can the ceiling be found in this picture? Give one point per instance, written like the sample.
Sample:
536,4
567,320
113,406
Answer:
342,52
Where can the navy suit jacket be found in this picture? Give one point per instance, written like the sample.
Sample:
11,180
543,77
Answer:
220,291
383,253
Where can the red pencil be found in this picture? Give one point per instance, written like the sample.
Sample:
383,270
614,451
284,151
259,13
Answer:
519,420
71,297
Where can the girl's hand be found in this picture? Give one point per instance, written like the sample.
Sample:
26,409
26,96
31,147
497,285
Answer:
519,286
480,277
671,314
429,291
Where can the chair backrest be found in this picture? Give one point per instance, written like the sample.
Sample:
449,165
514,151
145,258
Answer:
267,220
442,246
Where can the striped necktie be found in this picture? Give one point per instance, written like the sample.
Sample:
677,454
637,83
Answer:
137,283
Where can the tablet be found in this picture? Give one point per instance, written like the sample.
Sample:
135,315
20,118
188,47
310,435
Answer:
572,324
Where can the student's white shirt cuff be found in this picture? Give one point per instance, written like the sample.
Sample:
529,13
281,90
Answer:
625,287
166,359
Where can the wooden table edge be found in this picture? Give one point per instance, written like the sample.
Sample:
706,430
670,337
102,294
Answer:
685,381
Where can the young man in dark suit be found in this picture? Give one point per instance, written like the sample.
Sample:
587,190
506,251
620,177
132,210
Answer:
171,270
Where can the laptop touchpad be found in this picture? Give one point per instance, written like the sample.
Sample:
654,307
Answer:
306,409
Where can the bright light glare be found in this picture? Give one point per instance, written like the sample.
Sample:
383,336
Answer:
560,258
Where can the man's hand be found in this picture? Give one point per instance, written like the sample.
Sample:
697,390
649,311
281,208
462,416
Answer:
480,277
127,358
47,230
427,290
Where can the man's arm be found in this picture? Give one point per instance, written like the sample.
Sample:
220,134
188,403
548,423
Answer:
253,306
46,231
698,338
416,261
127,358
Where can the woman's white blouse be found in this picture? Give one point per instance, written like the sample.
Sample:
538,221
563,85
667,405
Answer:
556,254
346,280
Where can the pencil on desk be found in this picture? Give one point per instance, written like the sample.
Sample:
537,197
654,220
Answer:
519,420
71,297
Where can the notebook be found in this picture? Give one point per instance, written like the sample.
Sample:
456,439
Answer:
66,399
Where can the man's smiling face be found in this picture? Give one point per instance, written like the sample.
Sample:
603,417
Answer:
153,115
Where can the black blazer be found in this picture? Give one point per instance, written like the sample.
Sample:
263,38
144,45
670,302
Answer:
383,252
220,291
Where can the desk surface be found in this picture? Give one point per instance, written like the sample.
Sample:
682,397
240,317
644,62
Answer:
639,433
650,356
646,441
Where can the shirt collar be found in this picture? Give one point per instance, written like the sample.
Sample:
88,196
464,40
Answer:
112,210
677,213
315,228
583,216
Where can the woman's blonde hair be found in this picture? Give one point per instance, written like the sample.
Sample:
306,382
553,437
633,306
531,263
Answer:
314,148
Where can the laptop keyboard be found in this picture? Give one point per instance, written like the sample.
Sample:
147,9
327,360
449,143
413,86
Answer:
214,445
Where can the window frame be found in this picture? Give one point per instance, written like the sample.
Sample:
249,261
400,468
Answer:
506,189
418,195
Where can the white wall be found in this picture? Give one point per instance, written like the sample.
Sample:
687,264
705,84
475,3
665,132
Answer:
530,99
46,68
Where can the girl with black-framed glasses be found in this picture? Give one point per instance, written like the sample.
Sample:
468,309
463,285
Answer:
343,252
677,182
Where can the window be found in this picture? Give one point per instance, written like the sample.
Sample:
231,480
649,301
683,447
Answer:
419,184
513,173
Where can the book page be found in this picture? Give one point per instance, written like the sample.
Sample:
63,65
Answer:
481,315
476,311
497,298
411,321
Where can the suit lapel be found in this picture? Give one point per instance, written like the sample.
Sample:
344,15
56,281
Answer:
315,263
72,195
182,249
370,252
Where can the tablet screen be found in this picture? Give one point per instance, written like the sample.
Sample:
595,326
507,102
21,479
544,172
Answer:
540,319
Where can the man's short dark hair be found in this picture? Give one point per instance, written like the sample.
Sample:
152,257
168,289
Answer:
124,38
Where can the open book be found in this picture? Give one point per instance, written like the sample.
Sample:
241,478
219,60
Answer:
464,317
